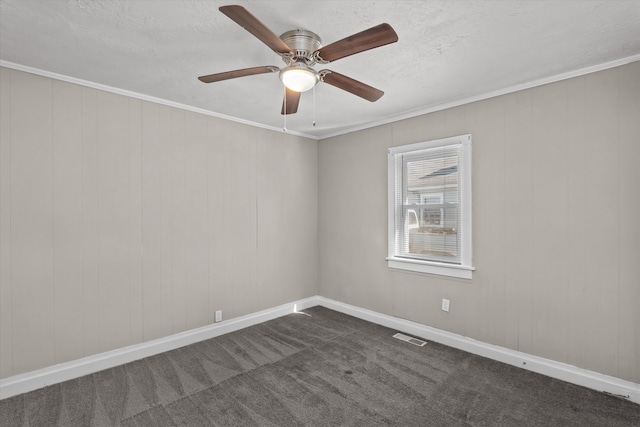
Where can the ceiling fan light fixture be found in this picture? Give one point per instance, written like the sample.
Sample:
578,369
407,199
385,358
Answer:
300,50
299,77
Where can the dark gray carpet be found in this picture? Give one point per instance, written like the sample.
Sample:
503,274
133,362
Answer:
320,369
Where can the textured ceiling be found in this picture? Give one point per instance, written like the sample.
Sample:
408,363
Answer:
447,50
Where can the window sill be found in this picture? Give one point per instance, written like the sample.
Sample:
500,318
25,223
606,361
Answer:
441,269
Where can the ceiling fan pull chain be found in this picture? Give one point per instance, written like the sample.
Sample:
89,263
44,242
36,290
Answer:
284,128
314,106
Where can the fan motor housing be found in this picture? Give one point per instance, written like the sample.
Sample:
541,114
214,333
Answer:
303,43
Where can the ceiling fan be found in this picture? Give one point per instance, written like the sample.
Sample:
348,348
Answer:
301,50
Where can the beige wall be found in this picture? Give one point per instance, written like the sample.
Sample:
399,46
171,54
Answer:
114,213
556,199
122,220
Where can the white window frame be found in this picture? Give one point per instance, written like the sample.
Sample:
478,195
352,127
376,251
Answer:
464,270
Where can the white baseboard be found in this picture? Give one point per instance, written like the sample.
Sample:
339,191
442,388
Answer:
33,380
66,371
562,371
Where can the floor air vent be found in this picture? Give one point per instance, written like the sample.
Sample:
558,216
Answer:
411,340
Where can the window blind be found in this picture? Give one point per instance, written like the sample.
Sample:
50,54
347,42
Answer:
428,198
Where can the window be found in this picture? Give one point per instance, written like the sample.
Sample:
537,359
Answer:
430,207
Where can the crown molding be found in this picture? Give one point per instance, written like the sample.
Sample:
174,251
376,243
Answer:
481,97
144,97
395,118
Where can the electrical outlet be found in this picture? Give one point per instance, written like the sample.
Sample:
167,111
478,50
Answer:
218,316
445,304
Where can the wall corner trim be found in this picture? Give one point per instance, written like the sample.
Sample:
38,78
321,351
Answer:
33,380
540,365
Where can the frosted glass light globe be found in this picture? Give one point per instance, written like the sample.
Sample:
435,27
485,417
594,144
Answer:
299,77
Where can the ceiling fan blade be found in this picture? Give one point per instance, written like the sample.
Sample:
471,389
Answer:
377,36
238,73
352,86
250,23
291,101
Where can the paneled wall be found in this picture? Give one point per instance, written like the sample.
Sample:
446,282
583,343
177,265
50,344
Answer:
123,221
556,209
